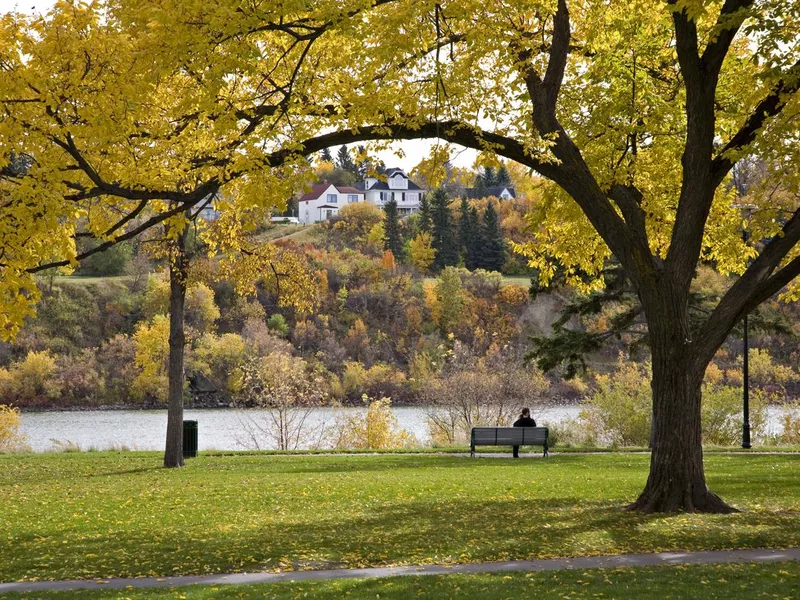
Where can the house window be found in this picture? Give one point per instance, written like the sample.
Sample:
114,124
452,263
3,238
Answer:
328,214
383,196
352,198
333,198
403,197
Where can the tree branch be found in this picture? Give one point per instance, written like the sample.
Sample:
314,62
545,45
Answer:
757,283
769,107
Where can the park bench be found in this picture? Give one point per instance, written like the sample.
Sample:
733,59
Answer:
509,436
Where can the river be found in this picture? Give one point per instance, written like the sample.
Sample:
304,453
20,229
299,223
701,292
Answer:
222,429
218,429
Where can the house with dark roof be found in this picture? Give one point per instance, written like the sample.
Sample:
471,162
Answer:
501,192
324,201
397,186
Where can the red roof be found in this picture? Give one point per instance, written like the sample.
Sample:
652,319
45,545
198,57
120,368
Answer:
319,188
316,191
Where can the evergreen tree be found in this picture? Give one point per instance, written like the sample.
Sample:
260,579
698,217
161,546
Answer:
493,253
502,177
345,162
472,258
468,233
392,239
326,155
480,190
489,177
444,236
425,215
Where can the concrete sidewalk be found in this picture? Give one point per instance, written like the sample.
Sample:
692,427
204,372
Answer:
585,562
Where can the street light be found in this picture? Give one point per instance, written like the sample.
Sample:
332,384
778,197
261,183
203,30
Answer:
746,358
746,391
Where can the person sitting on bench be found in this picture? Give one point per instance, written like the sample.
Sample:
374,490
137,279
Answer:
524,420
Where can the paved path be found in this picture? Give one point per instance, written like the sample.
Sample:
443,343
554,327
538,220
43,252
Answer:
553,564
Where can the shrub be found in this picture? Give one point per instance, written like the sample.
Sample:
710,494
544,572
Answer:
621,406
277,324
116,361
721,414
79,378
376,429
262,340
763,369
290,390
487,394
379,380
31,381
220,358
791,426
11,440
152,353
114,261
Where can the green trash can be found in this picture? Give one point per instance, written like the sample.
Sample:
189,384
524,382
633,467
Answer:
189,439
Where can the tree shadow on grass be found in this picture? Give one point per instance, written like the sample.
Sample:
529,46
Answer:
403,532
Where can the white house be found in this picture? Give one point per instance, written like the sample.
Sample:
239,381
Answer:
324,200
396,187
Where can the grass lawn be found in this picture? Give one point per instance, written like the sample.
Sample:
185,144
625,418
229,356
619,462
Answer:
723,582
119,514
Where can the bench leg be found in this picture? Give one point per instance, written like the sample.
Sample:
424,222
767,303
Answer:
472,451
546,453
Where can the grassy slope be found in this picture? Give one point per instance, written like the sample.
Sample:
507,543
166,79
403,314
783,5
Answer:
107,514
743,582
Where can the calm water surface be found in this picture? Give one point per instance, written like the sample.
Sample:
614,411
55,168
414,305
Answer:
219,429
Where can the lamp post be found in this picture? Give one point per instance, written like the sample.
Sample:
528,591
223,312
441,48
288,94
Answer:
748,208
746,391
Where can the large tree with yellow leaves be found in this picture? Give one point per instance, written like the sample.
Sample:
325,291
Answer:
637,112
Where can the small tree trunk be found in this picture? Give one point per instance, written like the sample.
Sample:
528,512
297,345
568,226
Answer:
677,481
173,453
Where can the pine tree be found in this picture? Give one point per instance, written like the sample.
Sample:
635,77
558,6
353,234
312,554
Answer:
345,162
471,260
489,177
468,232
493,253
425,215
444,237
480,190
326,155
502,177
392,239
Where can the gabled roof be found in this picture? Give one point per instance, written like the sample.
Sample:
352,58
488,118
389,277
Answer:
320,188
316,191
382,185
495,191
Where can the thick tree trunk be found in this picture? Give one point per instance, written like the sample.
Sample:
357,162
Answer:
173,453
677,481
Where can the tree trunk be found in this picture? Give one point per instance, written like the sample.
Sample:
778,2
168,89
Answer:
173,453
677,481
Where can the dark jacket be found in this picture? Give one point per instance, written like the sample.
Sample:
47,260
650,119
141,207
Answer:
524,422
